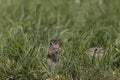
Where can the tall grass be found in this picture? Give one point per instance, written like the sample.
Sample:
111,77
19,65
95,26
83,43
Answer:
26,26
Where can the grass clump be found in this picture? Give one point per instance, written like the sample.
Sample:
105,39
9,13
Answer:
26,26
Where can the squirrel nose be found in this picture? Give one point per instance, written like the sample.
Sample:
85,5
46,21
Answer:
56,51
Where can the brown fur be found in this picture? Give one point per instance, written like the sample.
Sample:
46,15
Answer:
53,53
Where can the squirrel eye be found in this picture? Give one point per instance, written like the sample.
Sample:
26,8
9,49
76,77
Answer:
96,49
50,43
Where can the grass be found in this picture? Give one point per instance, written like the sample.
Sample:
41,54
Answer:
26,26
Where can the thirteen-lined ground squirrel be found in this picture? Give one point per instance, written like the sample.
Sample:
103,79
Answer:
53,53
95,51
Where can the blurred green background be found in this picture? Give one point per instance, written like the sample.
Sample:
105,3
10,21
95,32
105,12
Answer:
26,26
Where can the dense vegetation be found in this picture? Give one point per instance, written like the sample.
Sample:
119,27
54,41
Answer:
26,26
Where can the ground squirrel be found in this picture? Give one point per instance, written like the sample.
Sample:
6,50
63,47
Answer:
96,51
53,53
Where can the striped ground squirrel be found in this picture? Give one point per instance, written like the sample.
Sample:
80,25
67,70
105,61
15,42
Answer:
96,51
53,53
